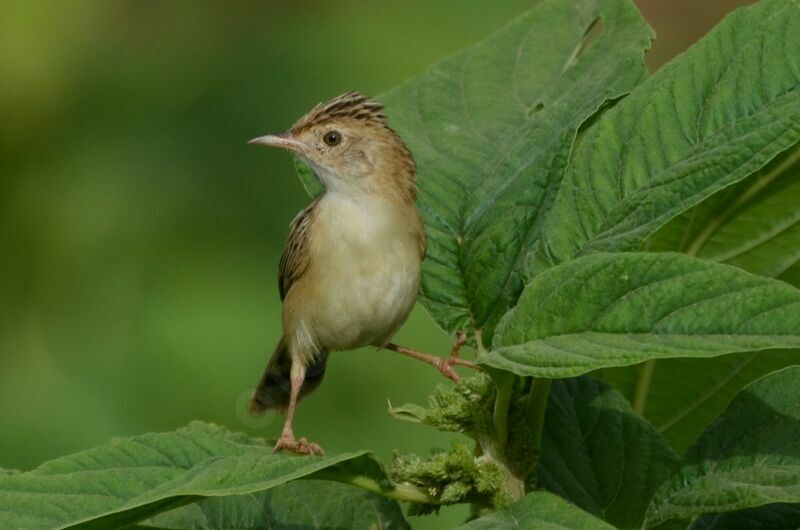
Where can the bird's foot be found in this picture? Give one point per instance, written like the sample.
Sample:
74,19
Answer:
445,366
287,442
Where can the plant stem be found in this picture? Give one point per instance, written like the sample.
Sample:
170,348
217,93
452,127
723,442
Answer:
400,492
505,384
537,403
479,342
643,379
513,485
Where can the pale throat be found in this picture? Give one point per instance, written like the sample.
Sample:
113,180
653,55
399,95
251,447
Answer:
378,182
362,213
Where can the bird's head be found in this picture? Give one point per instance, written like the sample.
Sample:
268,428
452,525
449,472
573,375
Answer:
348,143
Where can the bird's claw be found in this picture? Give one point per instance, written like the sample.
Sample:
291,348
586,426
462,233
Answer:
445,366
288,442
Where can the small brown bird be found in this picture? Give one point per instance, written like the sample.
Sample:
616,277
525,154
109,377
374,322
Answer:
350,268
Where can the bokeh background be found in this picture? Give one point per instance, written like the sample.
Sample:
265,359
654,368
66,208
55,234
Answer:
140,235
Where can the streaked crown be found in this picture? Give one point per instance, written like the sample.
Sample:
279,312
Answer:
349,105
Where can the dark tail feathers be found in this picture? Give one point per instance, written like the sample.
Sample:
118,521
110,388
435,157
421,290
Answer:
275,385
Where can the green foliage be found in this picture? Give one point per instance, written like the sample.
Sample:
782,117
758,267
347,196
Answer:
451,477
708,120
749,456
597,311
465,408
300,505
572,229
600,455
752,225
131,479
771,517
537,511
491,129
469,408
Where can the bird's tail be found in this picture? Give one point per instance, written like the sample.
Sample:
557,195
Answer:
275,386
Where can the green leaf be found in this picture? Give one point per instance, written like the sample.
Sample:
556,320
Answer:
620,309
306,505
491,129
675,524
749,457
709,119
599,454
754,225
685,395
537,511
307,178
131,479
771,517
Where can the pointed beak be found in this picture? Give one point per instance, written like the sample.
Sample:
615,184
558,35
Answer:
282,140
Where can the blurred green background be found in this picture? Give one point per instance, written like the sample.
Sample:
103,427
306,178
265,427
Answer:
140,235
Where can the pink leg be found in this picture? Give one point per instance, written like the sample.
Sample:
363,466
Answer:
287,440
445,365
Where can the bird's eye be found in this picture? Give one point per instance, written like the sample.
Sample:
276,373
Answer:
332,138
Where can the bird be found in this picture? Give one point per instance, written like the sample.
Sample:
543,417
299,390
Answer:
350,270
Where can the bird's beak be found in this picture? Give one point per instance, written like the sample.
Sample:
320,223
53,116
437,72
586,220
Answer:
282,140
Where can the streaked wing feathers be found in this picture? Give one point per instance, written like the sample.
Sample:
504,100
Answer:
295,257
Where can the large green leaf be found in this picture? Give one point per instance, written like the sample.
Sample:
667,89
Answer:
685,395
620,309
539,511
491,129
749,457
754,225
709,119
779,516
599,454
300,505
131,479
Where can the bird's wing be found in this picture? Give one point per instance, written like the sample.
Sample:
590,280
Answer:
296,255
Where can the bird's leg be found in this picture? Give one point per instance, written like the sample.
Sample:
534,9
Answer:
445,365
287,439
